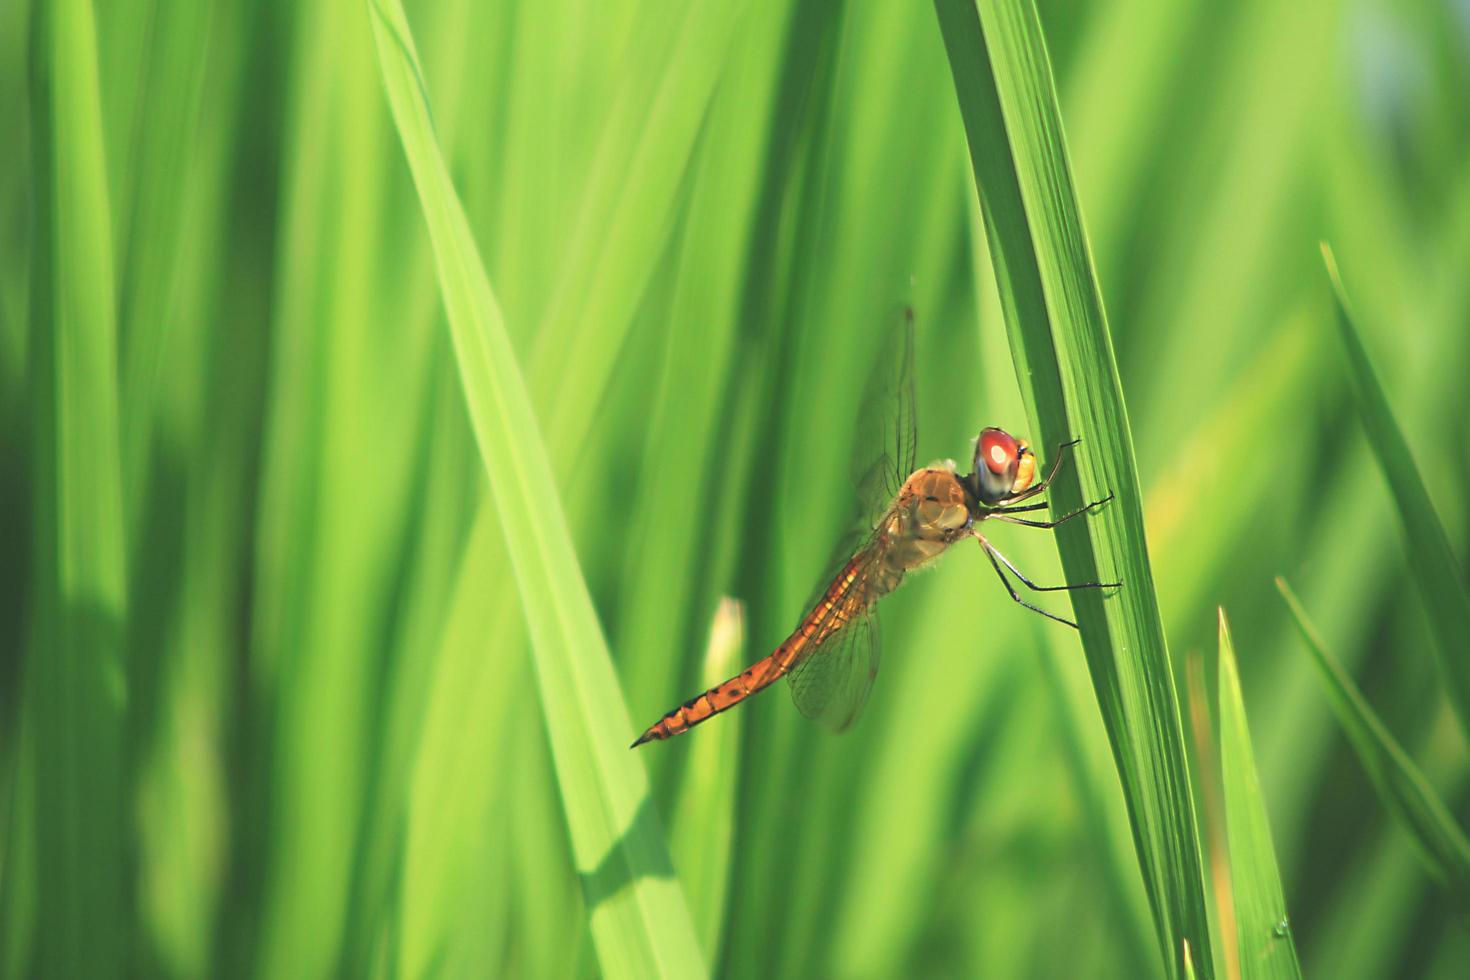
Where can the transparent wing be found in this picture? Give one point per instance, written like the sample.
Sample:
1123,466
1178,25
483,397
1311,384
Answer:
831,684
831,679
886,441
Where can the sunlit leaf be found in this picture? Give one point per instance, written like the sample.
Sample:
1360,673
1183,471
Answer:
1267,947
1064,362
640,923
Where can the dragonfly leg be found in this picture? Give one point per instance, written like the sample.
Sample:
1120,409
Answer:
991,553
990,549
1019,510
1056,465
1001,516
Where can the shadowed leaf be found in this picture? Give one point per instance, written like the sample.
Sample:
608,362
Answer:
640,923
1401,787
1431,561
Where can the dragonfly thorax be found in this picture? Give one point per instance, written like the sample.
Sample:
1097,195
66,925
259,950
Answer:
932,512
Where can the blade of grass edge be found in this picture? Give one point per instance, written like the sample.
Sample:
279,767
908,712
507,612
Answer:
1267,948
1212,812
1067,374
640,922
1433,564
1401,787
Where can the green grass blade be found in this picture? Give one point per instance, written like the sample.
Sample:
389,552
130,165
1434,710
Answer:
626,220
1267,948
1093,776
75,674
1401,787
703,836
1064,362
1212,812
439,801
173,81
640,922
1432,562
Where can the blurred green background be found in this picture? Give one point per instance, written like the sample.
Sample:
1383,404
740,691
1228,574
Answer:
266,700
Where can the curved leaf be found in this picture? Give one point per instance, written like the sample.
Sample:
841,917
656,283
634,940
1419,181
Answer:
640,922
1267,948
1432,562
1401,787
1064,363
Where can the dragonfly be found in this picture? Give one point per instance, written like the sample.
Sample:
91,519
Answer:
907,518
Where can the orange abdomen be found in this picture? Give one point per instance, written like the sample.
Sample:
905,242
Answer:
721,697
829,615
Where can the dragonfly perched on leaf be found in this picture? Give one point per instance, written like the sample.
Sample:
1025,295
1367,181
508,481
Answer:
907,518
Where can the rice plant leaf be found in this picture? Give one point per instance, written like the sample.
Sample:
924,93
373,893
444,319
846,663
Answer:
75,677
640,923
1069,380
703,836
654,127
1433,564
1212,811
1401,787
1267,949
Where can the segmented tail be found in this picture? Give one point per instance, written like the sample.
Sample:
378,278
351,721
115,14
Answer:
829,615
758,676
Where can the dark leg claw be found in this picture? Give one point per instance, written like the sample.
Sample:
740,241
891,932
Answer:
1012,590
1002,515
1045,588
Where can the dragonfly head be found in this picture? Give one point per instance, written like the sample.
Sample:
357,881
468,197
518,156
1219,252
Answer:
1004,466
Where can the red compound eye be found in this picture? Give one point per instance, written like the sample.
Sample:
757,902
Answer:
999,450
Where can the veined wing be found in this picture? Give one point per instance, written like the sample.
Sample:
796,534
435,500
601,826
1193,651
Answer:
832,657
832,670
832,683
885,447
